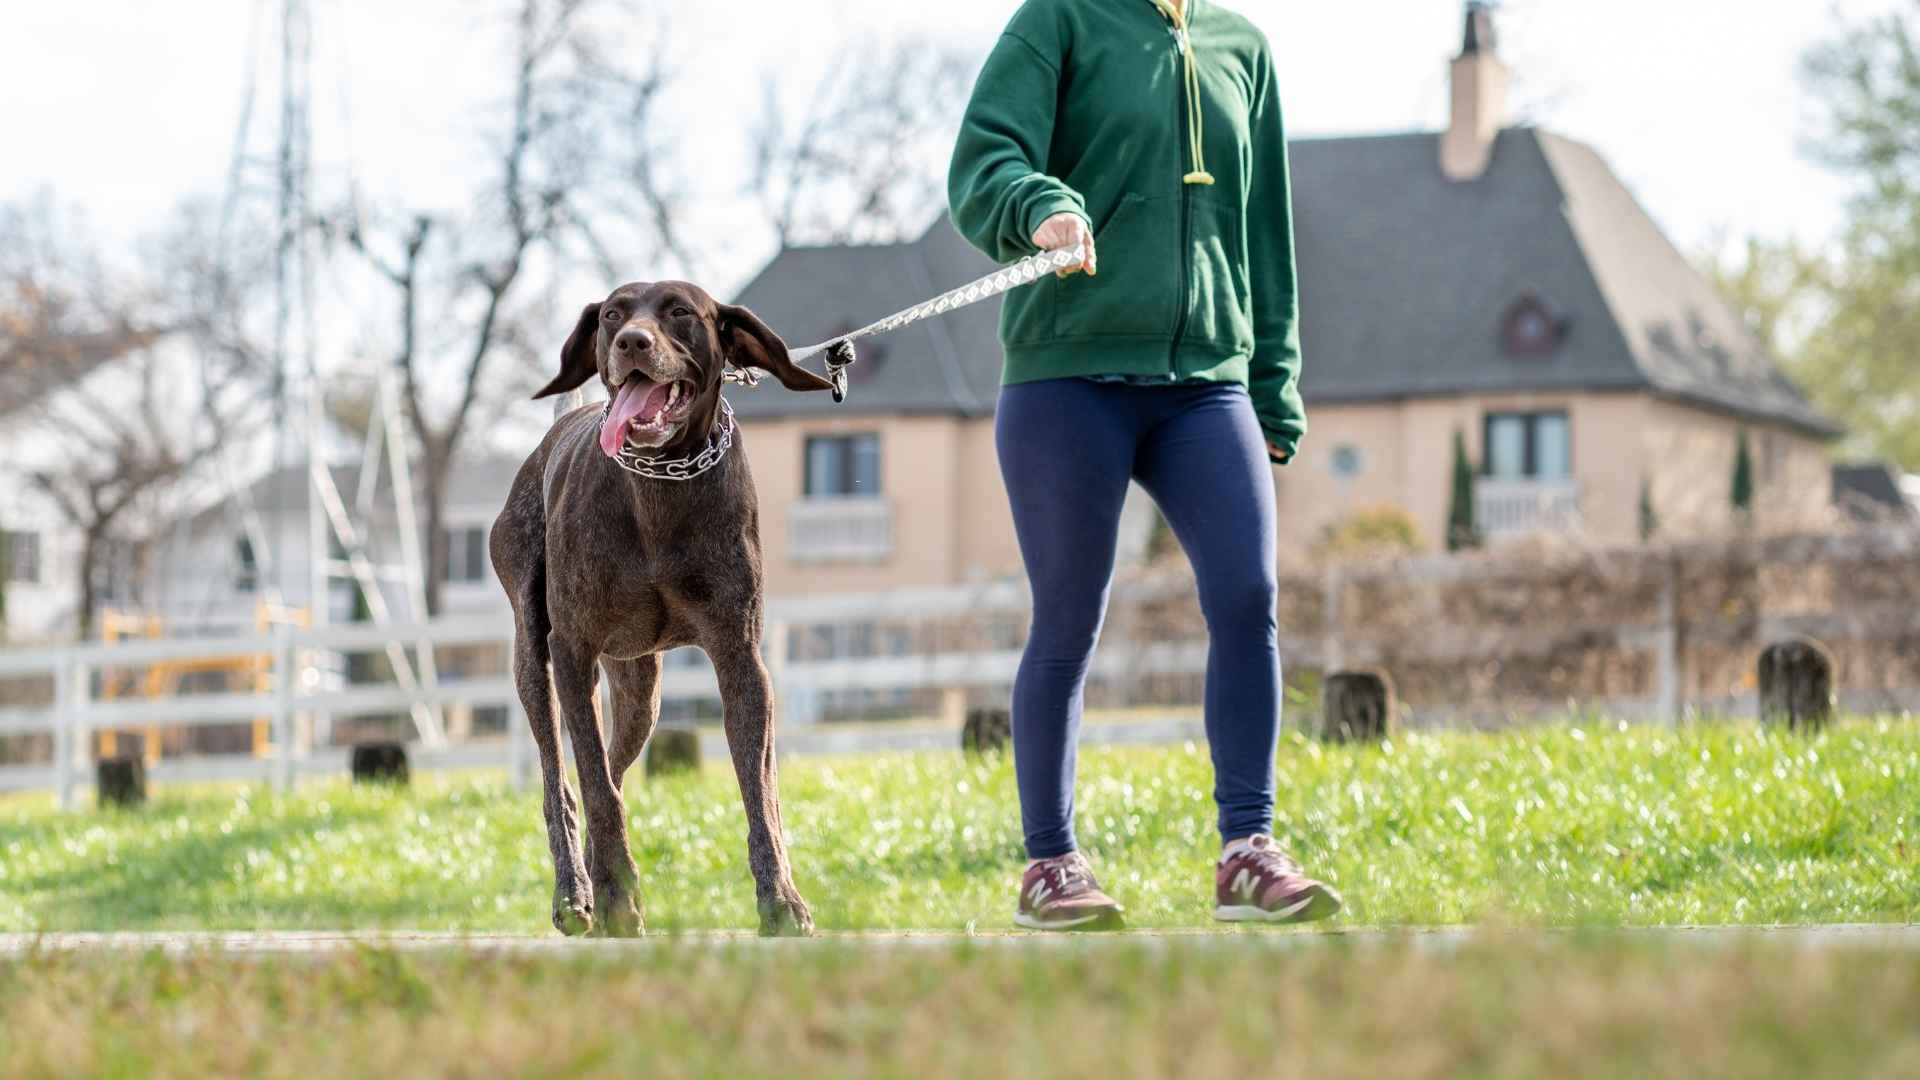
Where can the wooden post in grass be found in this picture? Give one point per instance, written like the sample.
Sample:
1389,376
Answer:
987,731
381,763
1796,685
673,750
1359,706
121,781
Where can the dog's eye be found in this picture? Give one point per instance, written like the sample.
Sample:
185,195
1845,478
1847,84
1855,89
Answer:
681,312
611,315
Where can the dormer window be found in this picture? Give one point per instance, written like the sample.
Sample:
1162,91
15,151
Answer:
1532,329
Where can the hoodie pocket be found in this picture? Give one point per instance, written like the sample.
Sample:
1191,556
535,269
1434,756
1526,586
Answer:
1136,291
1222,296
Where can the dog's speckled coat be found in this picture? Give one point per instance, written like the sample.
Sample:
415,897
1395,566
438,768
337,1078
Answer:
603,566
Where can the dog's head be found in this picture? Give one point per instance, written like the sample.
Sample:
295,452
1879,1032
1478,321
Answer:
660,350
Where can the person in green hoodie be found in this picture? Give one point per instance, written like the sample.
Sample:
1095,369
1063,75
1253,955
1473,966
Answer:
1147,133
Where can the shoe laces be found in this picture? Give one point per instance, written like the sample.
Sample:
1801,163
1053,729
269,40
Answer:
1273,859
1071,874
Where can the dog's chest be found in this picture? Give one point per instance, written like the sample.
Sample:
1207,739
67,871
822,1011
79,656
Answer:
643,590
640,614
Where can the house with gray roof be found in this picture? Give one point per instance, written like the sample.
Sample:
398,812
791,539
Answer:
214,569
1494,281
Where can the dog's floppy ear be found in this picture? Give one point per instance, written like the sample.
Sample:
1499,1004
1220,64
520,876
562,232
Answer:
750,343
577,360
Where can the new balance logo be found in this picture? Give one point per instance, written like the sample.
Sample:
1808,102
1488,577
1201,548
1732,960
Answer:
1242,883
1040,891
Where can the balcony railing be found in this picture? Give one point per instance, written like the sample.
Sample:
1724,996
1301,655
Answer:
1518,507
840,529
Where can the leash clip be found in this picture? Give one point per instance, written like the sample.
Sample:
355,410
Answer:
840,357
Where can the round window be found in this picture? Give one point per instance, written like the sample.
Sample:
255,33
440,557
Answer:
1531,328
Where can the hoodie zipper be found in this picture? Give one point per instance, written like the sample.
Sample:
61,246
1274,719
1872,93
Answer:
1182,119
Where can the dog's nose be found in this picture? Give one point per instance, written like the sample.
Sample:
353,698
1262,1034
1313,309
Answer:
633,341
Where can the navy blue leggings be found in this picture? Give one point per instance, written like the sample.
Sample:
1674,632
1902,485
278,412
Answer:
1068,447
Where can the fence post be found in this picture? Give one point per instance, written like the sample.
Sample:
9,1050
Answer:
519,747
1669,644
798,706
283,685
1332,656
65,746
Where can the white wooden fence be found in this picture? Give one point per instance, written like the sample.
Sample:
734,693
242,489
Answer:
298,694
77,713
808,673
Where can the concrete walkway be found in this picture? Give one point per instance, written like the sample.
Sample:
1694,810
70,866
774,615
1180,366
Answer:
293,943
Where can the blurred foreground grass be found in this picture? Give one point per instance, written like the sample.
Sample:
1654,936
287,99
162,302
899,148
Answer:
1501,1006
1560,826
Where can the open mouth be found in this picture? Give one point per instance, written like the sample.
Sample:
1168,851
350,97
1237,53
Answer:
645,414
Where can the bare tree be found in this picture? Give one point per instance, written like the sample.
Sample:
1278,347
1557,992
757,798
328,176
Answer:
575,173
863,161
53,325
96,368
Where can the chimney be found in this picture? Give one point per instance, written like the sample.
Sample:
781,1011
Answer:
1479,98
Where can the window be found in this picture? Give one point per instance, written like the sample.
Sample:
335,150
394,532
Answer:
23,557
1529,446
842,466
1347,461
246,567
466,555
1532,329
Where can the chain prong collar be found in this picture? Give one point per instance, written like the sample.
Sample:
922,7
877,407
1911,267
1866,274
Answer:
680,468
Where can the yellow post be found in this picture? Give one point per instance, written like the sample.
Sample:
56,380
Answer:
266,616
154,629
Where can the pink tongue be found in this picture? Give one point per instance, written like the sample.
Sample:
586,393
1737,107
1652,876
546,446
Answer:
636,397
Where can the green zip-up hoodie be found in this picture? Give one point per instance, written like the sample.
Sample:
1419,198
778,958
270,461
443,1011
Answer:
1083,108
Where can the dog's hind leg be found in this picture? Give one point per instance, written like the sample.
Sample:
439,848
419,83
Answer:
609,861
572,896
636,708
746,695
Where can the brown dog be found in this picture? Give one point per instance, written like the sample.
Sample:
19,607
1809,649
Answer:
605,565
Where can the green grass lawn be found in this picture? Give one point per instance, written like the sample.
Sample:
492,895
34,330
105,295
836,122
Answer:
1207,1006
1557,826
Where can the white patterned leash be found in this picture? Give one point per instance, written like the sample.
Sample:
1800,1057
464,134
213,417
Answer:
840,350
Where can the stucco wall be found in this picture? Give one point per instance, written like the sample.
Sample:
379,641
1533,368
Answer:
951,522
1617,440
938,475
1693,453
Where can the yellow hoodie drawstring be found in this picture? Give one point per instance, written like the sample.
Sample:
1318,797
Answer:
1196,128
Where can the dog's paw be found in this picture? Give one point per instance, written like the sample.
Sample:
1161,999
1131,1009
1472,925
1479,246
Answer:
572,921
619,920
616,902
785,916
572,915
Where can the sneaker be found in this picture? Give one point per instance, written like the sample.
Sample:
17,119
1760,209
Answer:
1261,883
1061,894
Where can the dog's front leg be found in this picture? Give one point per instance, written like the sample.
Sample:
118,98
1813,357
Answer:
572,896
746,695
609,862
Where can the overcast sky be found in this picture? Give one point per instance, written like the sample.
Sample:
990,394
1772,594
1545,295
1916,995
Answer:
120,108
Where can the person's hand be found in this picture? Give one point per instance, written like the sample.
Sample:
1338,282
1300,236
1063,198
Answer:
1279,452
1066,231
